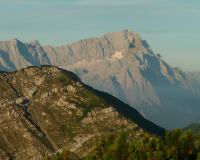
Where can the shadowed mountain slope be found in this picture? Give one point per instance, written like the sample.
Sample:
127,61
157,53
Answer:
123,65
195,75
44,109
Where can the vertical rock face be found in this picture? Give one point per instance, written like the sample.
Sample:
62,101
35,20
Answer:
16,55
123,65
44,109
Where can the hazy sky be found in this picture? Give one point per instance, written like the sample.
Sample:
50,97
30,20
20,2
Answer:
171,27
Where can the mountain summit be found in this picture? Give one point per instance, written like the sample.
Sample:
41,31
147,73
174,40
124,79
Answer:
44,109
123,65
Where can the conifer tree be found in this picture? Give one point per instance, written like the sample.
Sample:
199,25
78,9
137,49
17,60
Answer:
175,147
64,155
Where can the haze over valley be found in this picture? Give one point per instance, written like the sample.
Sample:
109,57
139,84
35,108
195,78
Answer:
123,65
99,79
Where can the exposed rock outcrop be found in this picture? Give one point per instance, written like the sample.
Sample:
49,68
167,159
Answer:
44,109
123,65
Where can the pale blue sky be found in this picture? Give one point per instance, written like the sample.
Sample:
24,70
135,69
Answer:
171,27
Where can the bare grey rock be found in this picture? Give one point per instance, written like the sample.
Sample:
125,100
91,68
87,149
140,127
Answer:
123,65
36,120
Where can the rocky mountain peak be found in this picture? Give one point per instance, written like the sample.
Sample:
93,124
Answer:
34,43
138,42
123,65
44,109
14,45
48,46
14,41
128,36
136,36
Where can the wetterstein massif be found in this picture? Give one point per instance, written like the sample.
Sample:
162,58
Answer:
44,109
123,65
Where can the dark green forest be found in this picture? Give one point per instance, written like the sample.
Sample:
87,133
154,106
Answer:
176,146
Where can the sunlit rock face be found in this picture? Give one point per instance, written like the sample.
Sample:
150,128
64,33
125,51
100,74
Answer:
123,65
44,109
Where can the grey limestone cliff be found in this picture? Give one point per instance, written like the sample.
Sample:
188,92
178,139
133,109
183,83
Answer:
123,65
44,109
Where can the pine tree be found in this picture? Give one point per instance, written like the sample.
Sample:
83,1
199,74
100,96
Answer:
176,147
64,155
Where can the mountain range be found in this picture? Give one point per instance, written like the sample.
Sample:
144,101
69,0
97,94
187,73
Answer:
45,109
123,65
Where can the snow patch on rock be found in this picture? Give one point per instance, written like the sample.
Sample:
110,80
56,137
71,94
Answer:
117,55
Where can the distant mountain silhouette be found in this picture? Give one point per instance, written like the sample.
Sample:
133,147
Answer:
123,65
45,109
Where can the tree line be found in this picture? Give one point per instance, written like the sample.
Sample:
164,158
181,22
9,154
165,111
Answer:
176,146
